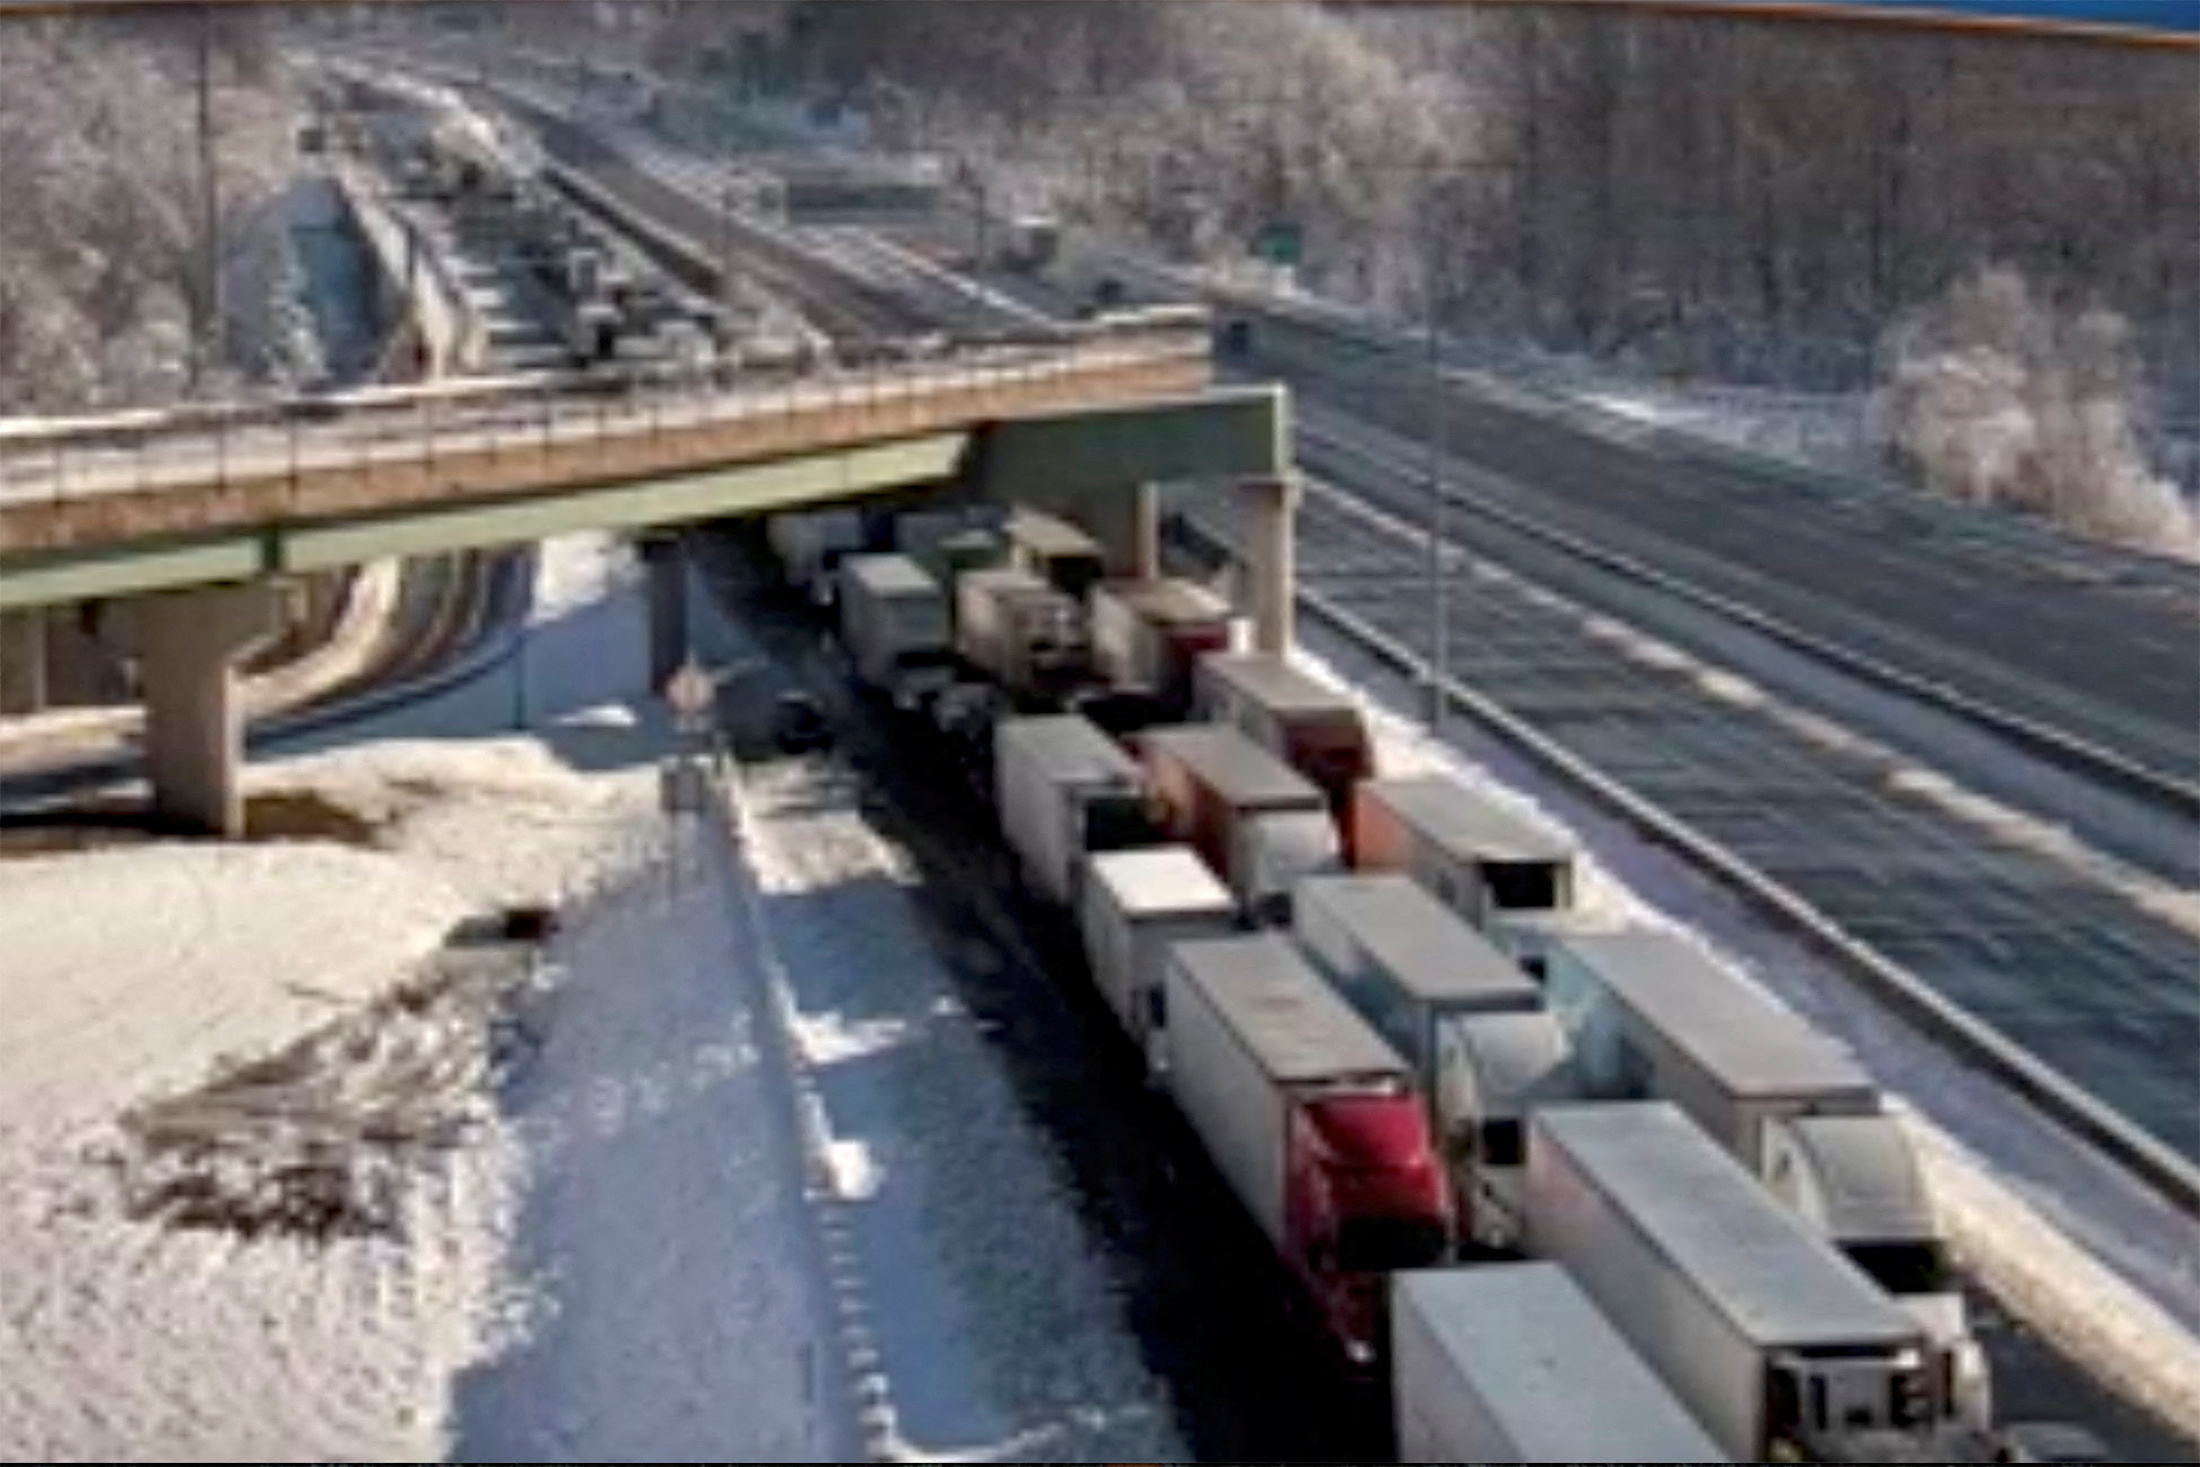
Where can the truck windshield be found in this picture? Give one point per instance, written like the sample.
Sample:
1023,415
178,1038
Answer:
1525,886
1501,1142
1119,823
1908,1266
1387,1244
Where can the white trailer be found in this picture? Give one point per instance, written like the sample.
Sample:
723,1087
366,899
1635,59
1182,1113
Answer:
1255,821
1311,1119
1477,857
1773,1340
1648,1014
1064,790
894,621
1150,635
809,545
1136,906
1510,1362
1403,959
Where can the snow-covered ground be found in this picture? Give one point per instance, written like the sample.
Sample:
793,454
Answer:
2082,1253
599,1256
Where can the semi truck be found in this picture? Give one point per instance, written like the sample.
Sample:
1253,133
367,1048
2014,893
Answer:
1477,858
1253,819
1151,634
1064,790
1432,987
1510,1362
1055,550
894,621
1781,1347
1024,634
1649,1015
810,545
1311,1119
1313,727
1135,906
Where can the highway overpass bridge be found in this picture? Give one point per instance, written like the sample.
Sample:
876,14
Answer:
186,525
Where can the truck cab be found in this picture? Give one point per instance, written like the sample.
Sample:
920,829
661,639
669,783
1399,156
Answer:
1491,1071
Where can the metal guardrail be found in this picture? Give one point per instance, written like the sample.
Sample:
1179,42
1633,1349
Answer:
217,444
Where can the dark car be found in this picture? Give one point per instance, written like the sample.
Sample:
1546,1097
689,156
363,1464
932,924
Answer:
799,725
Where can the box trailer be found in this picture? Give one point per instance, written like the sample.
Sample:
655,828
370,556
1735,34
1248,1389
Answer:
1135,906
1311,1119
810,544
1403,959
1150,635
1054,550
1477,858
1510,1362
1651,1015
1253,819
894,622
1064,790
1021,632
1770,1338
1310,725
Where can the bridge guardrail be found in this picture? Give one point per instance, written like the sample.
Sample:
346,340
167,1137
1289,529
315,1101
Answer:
220,445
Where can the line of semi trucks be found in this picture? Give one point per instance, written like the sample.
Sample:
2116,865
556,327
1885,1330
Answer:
1579,1191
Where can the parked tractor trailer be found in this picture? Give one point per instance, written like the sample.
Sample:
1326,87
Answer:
1312,1120
1649,1015
1781,1347
1511,1362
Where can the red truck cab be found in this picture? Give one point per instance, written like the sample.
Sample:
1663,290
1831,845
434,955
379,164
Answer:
1367,1199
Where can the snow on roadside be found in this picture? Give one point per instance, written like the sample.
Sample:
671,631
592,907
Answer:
2081,1251
609,1258
985,1325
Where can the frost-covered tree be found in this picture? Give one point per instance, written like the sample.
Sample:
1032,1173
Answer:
1993,395
103,278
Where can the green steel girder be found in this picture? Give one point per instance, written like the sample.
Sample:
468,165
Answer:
1224,435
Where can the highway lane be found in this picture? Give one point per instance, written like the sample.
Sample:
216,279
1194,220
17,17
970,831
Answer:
2094,646
2092,969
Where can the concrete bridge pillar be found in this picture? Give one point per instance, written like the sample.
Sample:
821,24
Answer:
1271,554
665,559
22,660
194,723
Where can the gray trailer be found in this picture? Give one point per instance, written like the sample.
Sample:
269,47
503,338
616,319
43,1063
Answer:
1150,635
1313,726
1478,858
1773,1340
809,545
1065,790
895,624
1255,821
1403,959
1054,550
1024,634
1650,1015
1135,906
1512,1363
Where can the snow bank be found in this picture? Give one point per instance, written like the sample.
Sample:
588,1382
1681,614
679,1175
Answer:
600,1259
2067,1242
